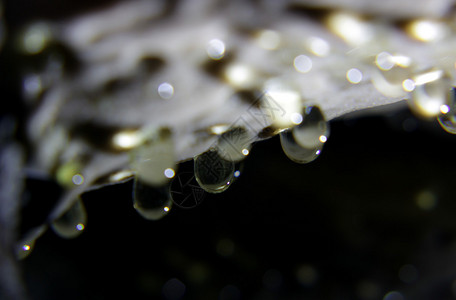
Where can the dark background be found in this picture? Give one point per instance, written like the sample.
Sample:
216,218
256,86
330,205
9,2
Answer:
346,226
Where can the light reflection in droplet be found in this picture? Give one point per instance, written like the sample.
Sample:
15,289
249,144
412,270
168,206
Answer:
302,63
303,143
24,249
432,91
408,85
78,179
296,118
268,39
354,76
216,49
444,109
153,157
234,145
318,46
71,223
169,172
166,90
237,174
166,209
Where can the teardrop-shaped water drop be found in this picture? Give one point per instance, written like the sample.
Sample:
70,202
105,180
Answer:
448,118
72,223
431,95
296,152
212,172
235,144
154,160
151,202
312,132
304,142
24,248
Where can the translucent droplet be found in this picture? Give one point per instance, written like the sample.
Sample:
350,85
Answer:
304,142
212,172
296,152
151,202
24,248
392,71
431,95
448,120
234,145
312,132
154,157
72,223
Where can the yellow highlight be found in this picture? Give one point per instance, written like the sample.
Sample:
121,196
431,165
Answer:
126,140
426,30
166,208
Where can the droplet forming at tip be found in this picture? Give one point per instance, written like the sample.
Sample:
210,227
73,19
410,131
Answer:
212,172
304,142
151,202
72,223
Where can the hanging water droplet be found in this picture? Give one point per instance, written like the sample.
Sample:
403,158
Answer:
448,119
151,202
154,160
235,144
24,248
213,173
304,142
392,71
431,95
312,132
72,223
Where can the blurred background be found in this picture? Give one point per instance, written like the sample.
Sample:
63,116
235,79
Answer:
371,218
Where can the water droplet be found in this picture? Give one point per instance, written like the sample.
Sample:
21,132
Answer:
302,63
313,130
72,223
213,173
154,157
303,143
448,120
427,30
24,248
234,145
392,72
151,202
431,95
354,76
